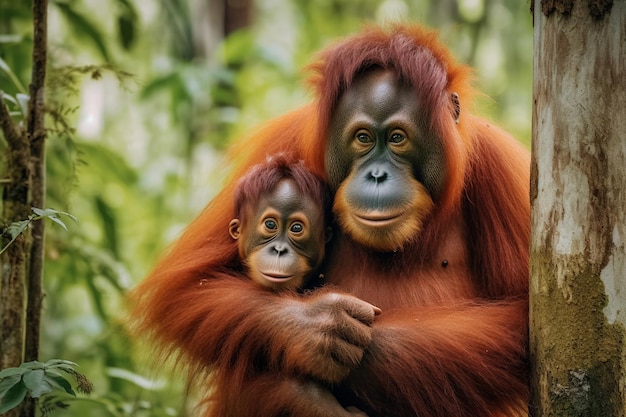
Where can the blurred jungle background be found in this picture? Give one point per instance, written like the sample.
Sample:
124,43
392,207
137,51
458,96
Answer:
143,97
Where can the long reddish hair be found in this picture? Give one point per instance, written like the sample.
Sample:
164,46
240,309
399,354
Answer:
263,178
486,185
419,60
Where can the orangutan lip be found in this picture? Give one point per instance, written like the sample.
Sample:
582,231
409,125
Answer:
276,277
377,218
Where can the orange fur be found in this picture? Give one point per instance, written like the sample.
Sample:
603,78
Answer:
451,341
393,237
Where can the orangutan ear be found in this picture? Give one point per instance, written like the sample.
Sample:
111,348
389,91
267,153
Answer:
328,234
234,228
457,107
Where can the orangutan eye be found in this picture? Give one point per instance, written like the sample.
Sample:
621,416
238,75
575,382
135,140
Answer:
396,138
270,224
363,137
297,228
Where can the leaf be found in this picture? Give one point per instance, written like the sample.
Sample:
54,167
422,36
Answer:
23,100
5,67
53,214
32,365
32,379
58,221
170,81
36,382
136,379
8,382
71,216
109,224
14,396
65,368
105,163
60,382
44,212
83,27
11,371
16,228
7,97
126,27
55,362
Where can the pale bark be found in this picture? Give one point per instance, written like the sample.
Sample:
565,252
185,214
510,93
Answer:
578,196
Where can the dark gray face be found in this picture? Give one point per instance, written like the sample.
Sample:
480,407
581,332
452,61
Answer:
378,132
282,237
384,164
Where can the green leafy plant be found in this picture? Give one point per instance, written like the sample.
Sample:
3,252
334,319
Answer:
37,379
17,228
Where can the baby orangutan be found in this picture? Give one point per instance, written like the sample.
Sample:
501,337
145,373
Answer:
282,223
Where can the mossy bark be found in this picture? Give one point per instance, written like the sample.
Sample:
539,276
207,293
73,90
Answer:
578,245
21,265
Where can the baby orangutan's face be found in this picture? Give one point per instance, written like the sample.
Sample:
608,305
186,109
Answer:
281,238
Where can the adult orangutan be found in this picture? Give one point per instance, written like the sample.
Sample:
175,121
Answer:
432,208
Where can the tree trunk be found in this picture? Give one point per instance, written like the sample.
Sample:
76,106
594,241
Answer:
578,197
37,134
21,291
13,261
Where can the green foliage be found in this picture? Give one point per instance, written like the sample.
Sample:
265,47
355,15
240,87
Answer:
53,384
127,23
17,228
159,110
7,70
84,27
37,379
